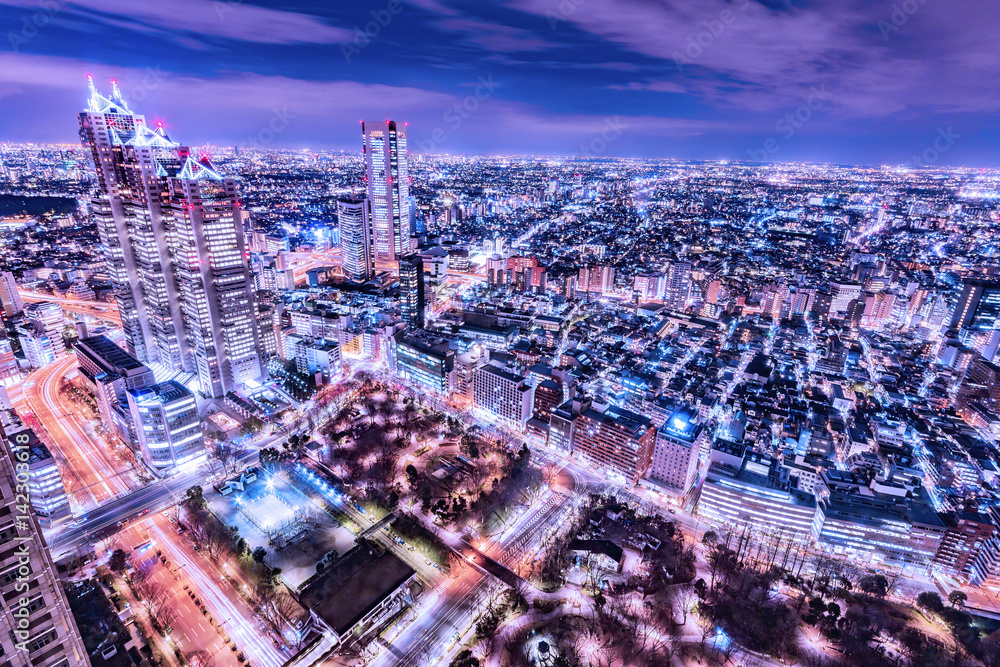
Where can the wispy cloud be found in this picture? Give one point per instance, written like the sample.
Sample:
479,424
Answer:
230,19
326,112
946,57
493,36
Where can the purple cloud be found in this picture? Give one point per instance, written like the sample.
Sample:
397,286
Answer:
230,19
236,105
744,54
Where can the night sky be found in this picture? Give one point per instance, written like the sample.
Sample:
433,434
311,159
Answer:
846,81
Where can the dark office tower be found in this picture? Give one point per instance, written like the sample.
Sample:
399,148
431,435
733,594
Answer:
411,289
171,230
979,306
388,179
355,240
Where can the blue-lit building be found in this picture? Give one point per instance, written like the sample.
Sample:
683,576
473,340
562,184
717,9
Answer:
674,466
881,522
167,425
979,306
45,486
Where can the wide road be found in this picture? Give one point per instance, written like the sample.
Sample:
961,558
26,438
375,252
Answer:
89,471
218,596
154,497
190,631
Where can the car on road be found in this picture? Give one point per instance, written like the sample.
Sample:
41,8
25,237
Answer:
144,512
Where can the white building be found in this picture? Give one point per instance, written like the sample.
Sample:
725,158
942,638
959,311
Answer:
674,466
388,178
503,395
321,356
49,318
167,425
37,347
171,228
10,298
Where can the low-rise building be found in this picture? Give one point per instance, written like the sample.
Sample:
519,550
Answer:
167,425
755,490
426,362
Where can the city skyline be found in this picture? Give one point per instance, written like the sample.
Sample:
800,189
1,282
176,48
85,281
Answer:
821,82
591,353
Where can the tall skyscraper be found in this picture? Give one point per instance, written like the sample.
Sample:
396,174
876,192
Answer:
355,239
171,230
678,289
10,299
388,178
28,581
411,289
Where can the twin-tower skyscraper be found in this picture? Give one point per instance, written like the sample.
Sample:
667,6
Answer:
377,229
171,229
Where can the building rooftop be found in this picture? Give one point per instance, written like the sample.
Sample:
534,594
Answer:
113,355
347,592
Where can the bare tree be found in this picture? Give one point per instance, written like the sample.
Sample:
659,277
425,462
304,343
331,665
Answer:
686,599
159,603
224,456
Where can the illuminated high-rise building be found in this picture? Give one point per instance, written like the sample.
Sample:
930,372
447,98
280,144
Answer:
388,179
979,306
171,230
10,298
355,239
678,288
